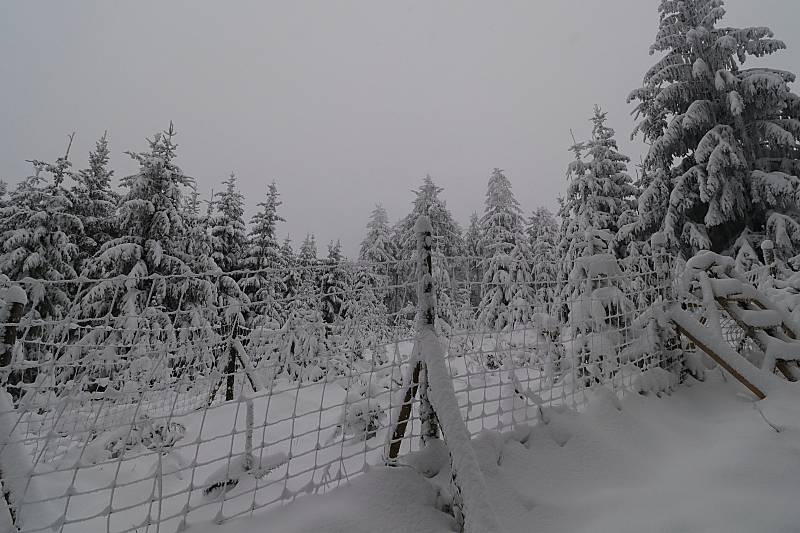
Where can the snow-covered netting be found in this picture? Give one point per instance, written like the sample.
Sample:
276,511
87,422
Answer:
116,421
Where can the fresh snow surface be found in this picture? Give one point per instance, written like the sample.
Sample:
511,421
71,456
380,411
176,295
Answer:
706,458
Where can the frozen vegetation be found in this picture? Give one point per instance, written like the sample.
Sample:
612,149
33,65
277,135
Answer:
167,363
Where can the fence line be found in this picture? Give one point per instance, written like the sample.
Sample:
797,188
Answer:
156,420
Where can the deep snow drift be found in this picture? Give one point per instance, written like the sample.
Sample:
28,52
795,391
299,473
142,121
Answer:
705,459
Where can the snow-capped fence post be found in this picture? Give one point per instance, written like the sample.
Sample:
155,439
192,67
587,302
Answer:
426,317
768,249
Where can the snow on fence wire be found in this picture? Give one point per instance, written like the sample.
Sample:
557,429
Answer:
159,419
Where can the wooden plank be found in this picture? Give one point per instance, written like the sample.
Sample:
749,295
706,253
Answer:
405,414
784,369
782,365
721,362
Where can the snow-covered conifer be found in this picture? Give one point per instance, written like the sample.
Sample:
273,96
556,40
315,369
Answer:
377,246
502,226
228,234
40,236
727,135
308,250
473,243
148,307
265,261
446,231
95,203
542,230
333,285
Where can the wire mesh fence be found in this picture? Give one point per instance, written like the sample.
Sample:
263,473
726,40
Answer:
206,402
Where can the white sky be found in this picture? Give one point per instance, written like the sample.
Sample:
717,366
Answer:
343,103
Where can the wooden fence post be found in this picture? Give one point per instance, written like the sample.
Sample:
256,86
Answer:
426,320
426,302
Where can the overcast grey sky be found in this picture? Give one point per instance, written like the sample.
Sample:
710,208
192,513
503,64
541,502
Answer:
343,103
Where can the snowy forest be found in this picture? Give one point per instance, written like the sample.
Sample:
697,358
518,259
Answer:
542,307
720,173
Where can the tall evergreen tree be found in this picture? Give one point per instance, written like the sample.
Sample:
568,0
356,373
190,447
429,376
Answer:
95,203
726,136
333,285
473,244
228,233
377,246
446,231
542,233
599,191
40,235
160,293
308,250
264,282
506,250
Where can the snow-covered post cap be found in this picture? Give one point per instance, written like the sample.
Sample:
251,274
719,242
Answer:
423,225
767,244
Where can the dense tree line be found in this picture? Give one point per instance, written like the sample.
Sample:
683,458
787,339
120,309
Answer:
721,173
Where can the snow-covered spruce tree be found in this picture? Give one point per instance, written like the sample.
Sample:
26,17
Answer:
308,251
726,135
292,277
40,236
502,225
378,249
95,203
542,230
160,293
447,243
333,286
228,234
599,190
377,246
265,262
446,231
473,249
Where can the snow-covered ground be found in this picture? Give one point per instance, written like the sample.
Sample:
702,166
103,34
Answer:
705,459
